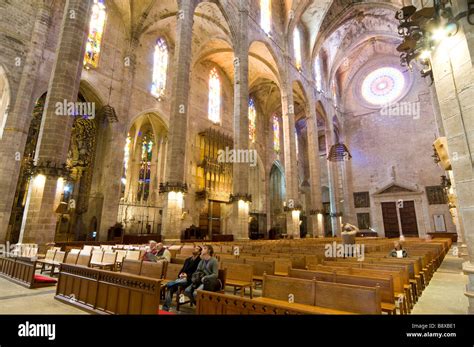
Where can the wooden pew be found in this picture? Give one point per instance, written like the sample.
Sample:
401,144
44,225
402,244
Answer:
210,303
282,265
22,271
107,292
132,267
385,284
153,270
260,268
377,271
320,296
239,276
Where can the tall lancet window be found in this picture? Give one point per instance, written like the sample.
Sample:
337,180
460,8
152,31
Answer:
126,160
318,74
214,111
96,31
297,145
297,47
252,121
144,175
266,15
160,67
276,134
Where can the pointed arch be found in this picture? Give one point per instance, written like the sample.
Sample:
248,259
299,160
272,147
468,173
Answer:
214,103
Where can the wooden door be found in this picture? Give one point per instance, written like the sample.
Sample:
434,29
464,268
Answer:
390,219
327,219
215,217
408,219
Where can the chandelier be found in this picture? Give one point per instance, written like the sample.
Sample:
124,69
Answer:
422,30
339,152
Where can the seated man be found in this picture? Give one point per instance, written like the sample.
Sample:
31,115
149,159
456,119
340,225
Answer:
156,252
348,235
206,275
184,277
398,251
151,252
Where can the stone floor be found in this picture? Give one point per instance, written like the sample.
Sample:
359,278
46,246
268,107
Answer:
444,295
15,299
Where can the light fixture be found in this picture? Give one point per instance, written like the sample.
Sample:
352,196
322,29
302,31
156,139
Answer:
423,30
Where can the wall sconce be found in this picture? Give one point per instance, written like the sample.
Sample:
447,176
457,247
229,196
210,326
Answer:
445,182
336,214
177,187
240,197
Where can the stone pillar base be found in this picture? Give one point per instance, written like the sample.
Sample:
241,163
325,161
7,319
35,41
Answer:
316,225
468,269
172,218
462,251
239,220
293,224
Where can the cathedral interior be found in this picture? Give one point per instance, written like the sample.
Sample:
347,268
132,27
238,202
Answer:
235,120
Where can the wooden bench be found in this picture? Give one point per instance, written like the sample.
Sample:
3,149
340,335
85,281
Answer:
209,303
239,276
282,265
376,272
153,270
108,261
385,285
106,292
323,296
131,266
22,271
260,268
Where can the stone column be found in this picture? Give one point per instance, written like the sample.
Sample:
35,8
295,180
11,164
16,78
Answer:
453,72
116,139
240,179
333,179
314,173
15,133
175,173
291,168
39,219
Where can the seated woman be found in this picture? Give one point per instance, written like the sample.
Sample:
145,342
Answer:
398,251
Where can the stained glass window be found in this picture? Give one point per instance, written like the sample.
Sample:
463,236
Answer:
160,67
297,47
96,30
318,74
296,145
266,15
383,86
126,158
214,112
276,134
252,121
334,92
145,169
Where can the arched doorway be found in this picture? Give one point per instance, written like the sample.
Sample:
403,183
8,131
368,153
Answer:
258,216
277,197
